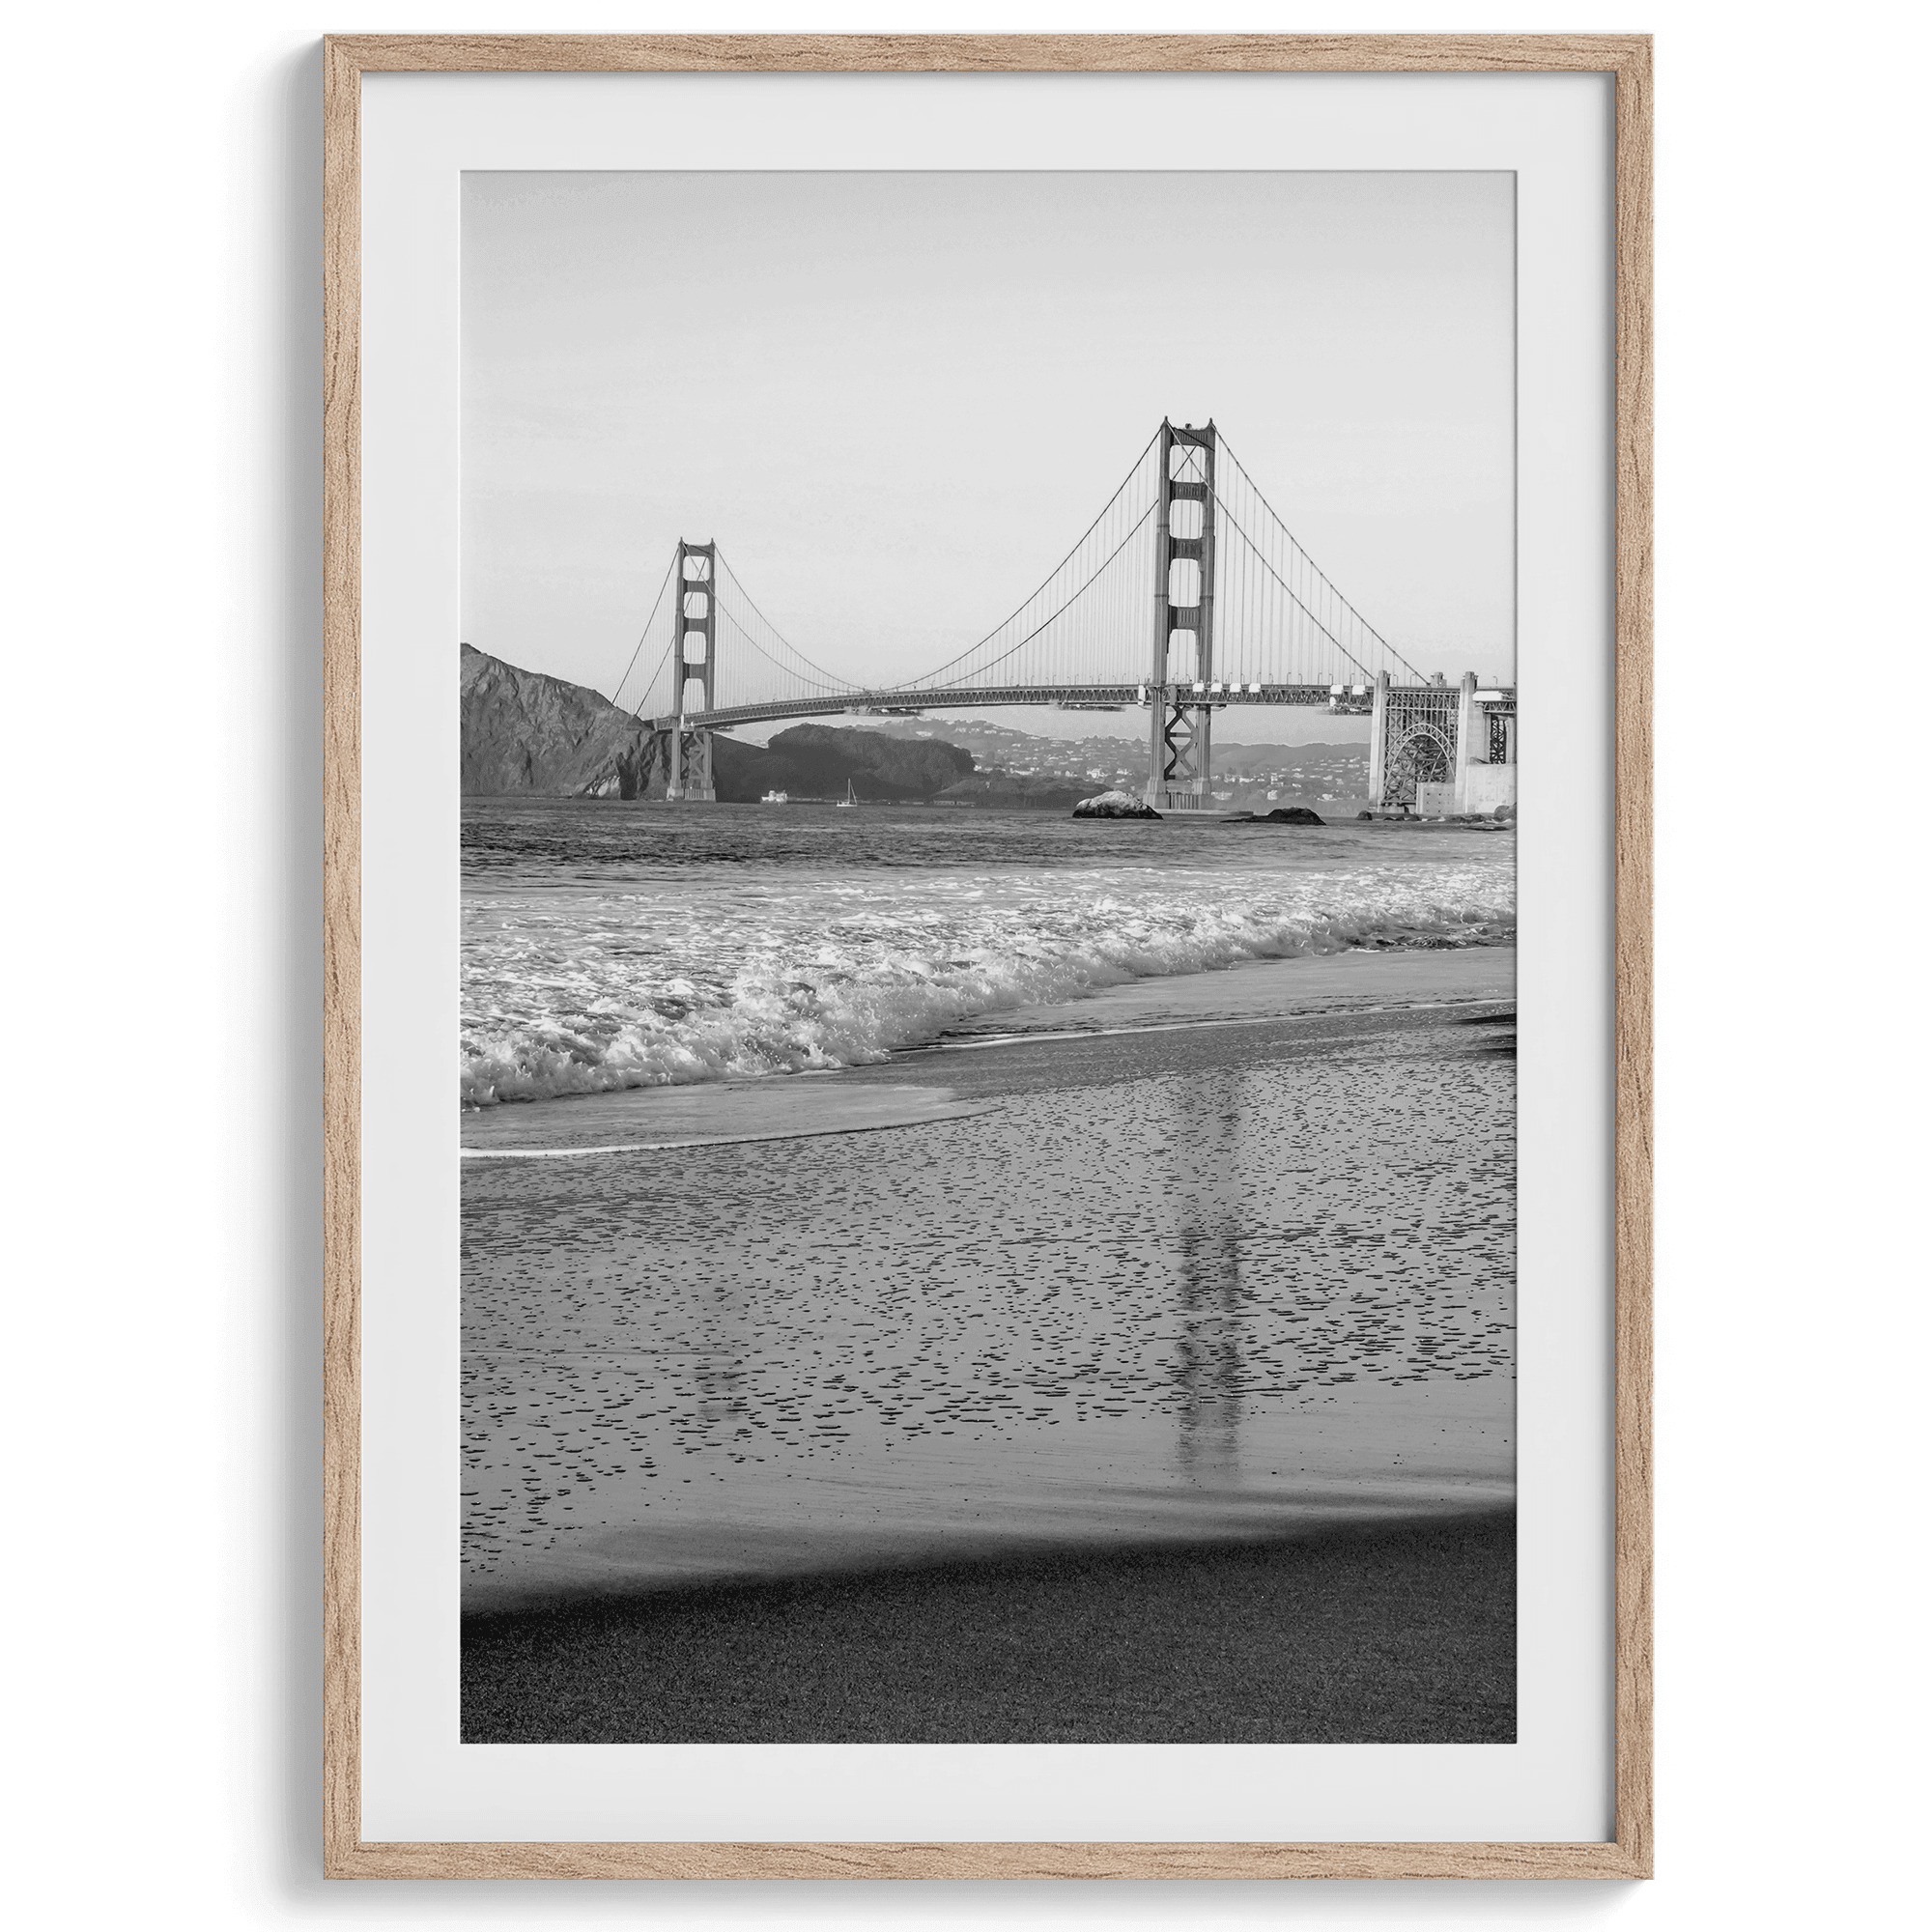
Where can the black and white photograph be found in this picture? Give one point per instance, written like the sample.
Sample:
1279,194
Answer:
1103,1255
987,1083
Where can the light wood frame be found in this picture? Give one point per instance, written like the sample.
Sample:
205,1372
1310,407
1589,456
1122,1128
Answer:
346,59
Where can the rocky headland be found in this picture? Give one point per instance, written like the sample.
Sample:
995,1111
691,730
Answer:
525,732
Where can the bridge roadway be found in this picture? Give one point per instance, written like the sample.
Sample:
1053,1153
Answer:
1355,699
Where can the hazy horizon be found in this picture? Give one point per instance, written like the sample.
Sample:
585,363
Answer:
896,400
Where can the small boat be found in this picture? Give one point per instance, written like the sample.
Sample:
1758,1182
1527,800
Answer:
776,798
850,799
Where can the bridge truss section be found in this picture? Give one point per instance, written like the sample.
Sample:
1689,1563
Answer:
1442,749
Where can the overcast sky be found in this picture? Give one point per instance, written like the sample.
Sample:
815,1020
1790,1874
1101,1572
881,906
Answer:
896,399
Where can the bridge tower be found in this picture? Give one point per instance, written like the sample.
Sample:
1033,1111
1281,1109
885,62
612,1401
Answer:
694,660
1180,726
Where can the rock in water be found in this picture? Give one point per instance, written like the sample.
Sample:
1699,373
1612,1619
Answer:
1113,805
1295,815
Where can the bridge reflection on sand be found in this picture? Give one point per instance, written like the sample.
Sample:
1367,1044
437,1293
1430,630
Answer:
1210,1205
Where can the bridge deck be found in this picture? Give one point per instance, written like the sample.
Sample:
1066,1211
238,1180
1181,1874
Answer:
915,702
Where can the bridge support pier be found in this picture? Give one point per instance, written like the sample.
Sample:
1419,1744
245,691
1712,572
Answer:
685,750
1180,723
1378,742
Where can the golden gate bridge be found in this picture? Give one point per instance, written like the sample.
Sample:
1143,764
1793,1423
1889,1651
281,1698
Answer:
1186,595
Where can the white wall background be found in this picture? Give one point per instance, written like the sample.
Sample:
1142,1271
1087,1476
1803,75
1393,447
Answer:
163,984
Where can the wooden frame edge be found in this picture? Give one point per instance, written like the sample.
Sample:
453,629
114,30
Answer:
1635,613
834,1862
342,957
990,53
346,58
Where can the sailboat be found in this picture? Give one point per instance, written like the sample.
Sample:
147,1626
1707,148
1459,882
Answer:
851,797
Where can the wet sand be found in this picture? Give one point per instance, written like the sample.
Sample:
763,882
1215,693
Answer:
1209,1269
1265,989
654,1120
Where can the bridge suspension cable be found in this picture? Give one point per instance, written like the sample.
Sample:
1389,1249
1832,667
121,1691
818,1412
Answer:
1266,627
1278,621
1278,550
1068,638
771,644
657,604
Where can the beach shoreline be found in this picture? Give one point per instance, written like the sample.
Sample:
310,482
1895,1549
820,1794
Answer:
1382,988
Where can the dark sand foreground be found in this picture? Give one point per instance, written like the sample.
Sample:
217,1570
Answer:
1387,1635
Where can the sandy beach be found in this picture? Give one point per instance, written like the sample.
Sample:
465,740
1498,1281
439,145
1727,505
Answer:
1218,1266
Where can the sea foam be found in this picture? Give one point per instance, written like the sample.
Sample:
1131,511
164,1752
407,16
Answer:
584,991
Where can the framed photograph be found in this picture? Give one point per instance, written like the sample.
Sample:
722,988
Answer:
998,689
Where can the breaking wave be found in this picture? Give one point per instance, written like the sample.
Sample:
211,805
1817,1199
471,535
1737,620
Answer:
589,992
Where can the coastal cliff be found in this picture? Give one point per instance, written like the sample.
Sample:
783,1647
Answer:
525,732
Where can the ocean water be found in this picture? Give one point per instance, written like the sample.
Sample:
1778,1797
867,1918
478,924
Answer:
609,947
